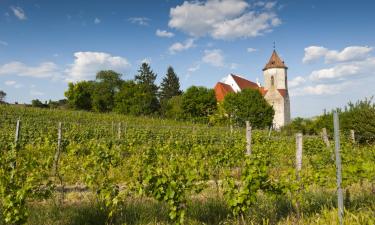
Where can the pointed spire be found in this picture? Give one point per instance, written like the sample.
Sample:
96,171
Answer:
275,62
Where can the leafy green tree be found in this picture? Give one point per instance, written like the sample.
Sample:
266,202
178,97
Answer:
37,103
2,96
107,84
79,95
173,108
249,105
198,102
135,99
170,86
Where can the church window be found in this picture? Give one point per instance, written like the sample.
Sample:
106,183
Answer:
272,81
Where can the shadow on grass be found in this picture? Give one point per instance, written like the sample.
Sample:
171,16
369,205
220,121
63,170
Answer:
210,211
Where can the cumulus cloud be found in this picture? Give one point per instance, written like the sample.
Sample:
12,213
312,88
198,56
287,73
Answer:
43,70
18,12
351,64
297,81
143,21
214,57
351,53
178,46
87,64
223,19
319,89
164,33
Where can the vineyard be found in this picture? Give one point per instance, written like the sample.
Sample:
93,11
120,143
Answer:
71,167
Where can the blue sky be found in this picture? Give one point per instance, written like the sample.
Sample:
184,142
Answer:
327,45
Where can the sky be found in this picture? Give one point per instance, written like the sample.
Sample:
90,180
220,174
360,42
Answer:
328,46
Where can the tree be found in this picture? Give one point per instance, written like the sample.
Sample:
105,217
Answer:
147,77
173,108
198,102
249,105
107,84
79,95
2,96
135,99
170,86
37,103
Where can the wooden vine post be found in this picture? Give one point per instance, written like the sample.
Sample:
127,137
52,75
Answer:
56,160
340,201
352,136
248,138
299,147
119,131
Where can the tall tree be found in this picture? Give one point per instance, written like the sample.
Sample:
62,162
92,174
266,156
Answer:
198,103
249,105
108,82
79,95
147,77
2,96
170,86
135,99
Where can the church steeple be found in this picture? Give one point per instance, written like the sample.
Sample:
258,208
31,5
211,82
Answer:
275,62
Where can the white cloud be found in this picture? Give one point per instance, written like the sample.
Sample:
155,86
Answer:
143,21
97,20
87,64
194,68
10,82
270,5
297,81
319,89
351,53
214,57
178,46
43,70
36,93
164,33
222,19
18,12
13,83
251,50
4,43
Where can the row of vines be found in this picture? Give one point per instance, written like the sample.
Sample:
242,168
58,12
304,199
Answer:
119,157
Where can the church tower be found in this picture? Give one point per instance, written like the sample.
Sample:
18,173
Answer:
276,89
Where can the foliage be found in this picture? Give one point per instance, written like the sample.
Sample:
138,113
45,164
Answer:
173,108
198,102
79,95
37,103
2,96
135,99
249,105
359,116
107,84
170,86
147,77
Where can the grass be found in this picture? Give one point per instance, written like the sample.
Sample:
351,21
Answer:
317,207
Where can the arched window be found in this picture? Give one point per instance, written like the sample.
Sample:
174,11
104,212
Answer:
272,81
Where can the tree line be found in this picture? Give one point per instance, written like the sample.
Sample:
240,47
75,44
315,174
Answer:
142,97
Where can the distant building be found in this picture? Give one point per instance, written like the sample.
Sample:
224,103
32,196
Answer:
275,89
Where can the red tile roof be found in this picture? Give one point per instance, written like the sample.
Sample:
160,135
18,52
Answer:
243,83
221,90
275,62
283,92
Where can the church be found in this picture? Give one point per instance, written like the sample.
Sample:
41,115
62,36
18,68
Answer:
275,89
